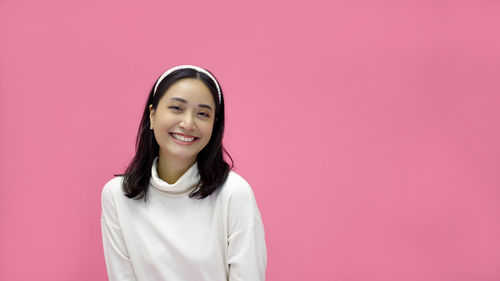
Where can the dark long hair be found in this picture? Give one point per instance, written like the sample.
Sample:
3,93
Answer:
212,167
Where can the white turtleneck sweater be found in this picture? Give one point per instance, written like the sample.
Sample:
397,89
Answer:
172,237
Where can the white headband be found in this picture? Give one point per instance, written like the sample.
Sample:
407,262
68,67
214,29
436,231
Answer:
197,68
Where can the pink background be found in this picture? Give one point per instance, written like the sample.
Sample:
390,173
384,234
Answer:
369,130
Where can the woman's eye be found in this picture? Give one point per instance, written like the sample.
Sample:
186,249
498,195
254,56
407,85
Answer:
203,114
174,107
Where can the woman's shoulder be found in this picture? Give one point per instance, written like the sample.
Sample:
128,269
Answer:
236,185
112,186
239,197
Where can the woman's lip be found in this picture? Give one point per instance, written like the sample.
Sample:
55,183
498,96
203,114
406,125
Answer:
187,136
183,142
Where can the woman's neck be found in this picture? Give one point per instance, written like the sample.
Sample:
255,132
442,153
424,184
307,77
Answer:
170,169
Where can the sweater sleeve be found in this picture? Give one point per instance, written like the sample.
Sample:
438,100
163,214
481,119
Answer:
115,252
246,255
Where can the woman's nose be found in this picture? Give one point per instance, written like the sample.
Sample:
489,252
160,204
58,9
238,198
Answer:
187,121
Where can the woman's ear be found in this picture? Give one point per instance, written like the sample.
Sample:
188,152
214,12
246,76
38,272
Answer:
151,111
151,115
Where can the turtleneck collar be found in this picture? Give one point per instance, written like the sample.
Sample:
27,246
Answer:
184,184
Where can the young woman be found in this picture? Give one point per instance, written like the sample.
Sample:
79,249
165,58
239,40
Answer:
179,213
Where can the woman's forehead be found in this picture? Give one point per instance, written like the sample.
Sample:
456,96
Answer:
190,90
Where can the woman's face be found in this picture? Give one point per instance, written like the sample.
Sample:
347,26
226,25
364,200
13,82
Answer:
184,119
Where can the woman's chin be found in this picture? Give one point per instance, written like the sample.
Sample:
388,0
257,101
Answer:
181,156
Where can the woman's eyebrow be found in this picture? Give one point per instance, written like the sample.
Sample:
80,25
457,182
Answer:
185,101
179,99
205,106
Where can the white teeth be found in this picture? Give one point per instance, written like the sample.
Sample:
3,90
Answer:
182,138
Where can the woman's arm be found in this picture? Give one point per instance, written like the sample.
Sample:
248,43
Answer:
247,254
115,252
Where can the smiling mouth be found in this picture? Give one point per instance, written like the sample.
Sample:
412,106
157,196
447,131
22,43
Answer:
182,138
